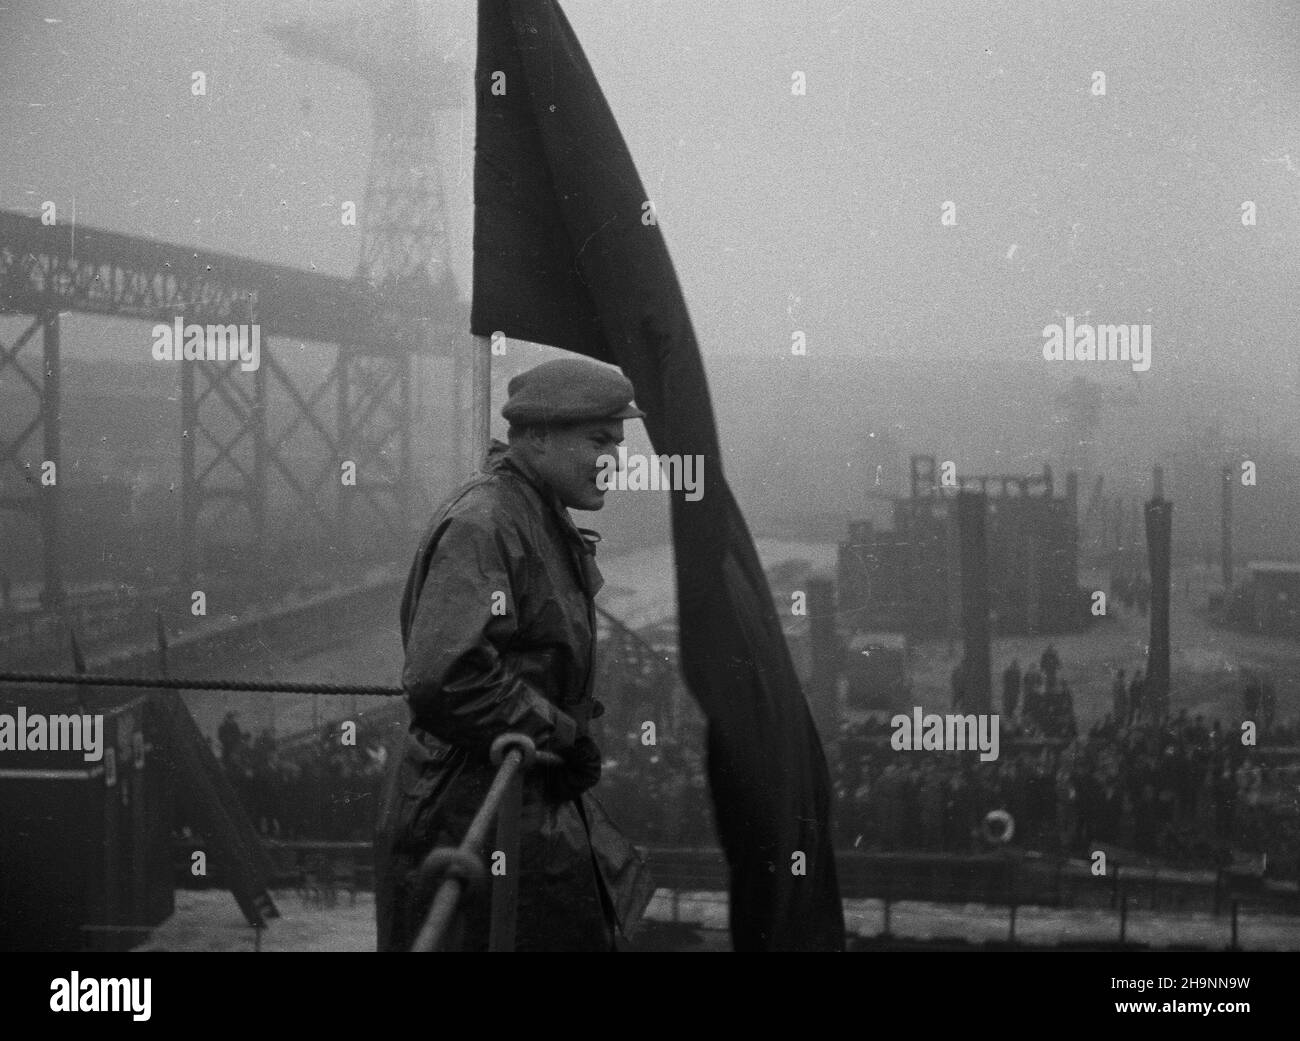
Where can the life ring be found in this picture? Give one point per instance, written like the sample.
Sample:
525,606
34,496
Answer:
999,827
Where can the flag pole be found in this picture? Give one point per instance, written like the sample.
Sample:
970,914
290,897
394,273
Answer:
476,404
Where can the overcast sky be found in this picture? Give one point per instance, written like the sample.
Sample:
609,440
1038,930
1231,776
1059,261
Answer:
818,212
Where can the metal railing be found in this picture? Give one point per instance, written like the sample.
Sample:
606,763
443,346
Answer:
455,868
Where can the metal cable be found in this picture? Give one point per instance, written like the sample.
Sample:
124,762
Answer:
161,683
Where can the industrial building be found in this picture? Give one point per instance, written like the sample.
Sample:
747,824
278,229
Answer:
1272,598
908,579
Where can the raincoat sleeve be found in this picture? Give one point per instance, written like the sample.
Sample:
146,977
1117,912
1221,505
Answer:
459,676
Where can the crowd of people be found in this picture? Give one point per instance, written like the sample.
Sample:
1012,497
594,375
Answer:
1171,786
1039,700
326,789
659,796
322,789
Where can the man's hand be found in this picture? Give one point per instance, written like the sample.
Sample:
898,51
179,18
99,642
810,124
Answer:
581,767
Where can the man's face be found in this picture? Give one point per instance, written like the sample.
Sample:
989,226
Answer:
568,460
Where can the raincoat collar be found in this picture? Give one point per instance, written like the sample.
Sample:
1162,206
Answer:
585,539
499,458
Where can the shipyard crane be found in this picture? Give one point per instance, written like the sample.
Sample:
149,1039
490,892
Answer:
416,61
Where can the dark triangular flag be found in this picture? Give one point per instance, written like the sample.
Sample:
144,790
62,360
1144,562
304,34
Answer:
567,253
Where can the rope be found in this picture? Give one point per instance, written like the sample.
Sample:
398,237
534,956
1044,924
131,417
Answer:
161,683
259,686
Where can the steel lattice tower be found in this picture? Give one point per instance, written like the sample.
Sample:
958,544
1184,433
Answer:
410,76
413,68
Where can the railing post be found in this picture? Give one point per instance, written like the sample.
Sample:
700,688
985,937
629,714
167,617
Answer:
456,867
505,887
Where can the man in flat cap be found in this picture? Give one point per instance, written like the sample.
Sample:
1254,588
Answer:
499,628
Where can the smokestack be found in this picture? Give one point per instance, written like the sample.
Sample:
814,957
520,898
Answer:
1225,534
971,510
824,648
1157,482
1159,523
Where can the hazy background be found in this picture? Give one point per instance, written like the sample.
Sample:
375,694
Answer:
817,213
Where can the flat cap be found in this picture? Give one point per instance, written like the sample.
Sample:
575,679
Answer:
569,390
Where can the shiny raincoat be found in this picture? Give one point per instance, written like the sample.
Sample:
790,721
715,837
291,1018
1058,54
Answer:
498,626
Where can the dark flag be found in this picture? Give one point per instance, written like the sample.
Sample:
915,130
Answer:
567,252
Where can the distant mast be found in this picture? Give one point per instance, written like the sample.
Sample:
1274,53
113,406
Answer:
1159,525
